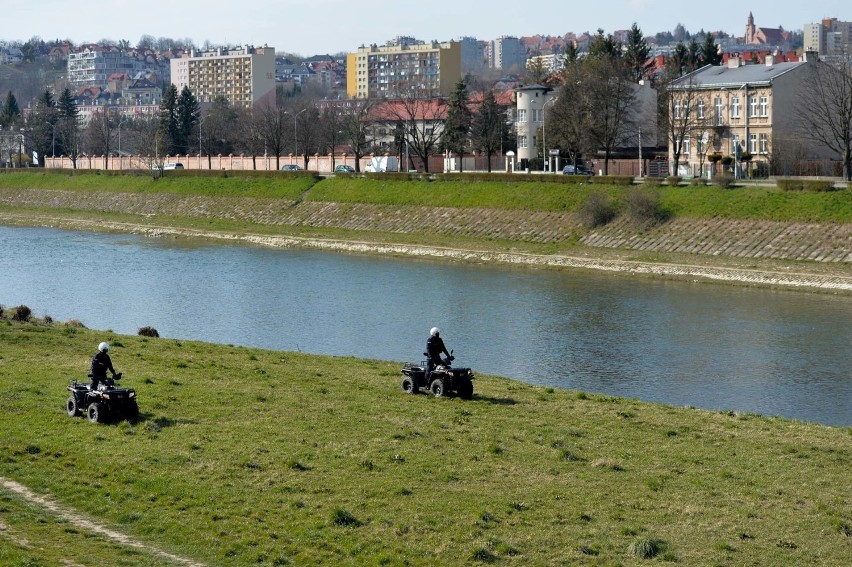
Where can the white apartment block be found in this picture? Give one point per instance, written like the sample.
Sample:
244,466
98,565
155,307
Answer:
94,67
244,75
829,38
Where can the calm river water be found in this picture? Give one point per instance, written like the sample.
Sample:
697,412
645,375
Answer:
710,346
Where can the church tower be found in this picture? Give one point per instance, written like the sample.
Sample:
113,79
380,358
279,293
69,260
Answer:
750,31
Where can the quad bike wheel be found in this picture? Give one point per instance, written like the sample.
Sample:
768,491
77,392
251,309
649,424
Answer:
466,390
97,412
72,408
132,413
437,388
408,385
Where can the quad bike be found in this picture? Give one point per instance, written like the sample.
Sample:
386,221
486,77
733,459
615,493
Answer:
443,380
102,403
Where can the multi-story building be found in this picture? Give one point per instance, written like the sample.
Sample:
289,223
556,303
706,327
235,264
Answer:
531,103
830,38
403,67
245,75
507,53
473,58
738,108
94,66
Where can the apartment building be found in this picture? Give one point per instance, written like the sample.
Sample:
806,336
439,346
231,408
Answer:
403,67
738,108
94,66
244,75
830,38
507,52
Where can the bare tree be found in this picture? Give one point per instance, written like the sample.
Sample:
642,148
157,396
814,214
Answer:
610,98
99,133
273,128
683,115
356,128
826,117
422,118
307,131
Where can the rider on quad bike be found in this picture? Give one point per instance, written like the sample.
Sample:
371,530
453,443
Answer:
101,362
434,348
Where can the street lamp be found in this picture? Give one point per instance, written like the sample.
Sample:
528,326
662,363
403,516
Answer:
119,137
52,139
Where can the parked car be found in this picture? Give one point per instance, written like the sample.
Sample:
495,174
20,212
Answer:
344,169
167,166
290,167
579,170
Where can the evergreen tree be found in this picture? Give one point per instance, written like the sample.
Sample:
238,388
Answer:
693,55
9,113
456,137
637,52
710,52
65,134
570,54
604,46
168,133
188,115
40,125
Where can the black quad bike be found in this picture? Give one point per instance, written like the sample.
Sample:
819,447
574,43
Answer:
443,380
103,403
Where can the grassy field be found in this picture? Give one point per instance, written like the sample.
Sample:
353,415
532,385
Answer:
253,457
747,202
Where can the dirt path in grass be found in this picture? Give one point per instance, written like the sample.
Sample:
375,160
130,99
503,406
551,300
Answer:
83,523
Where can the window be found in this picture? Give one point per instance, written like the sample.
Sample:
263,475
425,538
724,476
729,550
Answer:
537,114
522,141
522,115
763,141
764,106
717,103
735,145
735,107
752,143
687,146
677,111
701,144
701,108
752,106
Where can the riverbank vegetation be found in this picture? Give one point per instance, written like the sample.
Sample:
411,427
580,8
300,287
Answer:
749,202
246,456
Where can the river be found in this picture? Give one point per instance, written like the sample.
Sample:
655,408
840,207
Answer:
710,346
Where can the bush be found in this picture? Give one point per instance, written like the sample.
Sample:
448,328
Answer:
21,313
818,185
341,517
653,181
622,180
1,310
645,548
76,323
698,181
644,208
674,180
724,181
788,184
148,332
598,210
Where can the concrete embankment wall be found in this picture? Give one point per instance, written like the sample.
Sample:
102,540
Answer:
714,237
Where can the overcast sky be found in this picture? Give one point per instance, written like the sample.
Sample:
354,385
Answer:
310,27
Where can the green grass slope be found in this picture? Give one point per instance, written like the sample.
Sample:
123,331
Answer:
253,457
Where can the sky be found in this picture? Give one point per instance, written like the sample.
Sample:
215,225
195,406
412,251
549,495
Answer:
312,27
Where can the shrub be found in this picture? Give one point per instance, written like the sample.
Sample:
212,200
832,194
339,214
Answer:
21,313
788,184
653,181
724,181
818,185
48,320
644,208
76,323
341,517
598,210
674,180
698,181
622,180
148,332
1,310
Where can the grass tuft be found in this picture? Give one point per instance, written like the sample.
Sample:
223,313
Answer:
645,548
341,517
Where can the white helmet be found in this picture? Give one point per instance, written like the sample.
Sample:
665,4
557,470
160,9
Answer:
434,331
103,347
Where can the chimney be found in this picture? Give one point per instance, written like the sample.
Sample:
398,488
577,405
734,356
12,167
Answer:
770,60
733,62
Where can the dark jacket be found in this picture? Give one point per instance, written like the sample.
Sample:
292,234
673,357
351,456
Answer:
100,364
434,348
